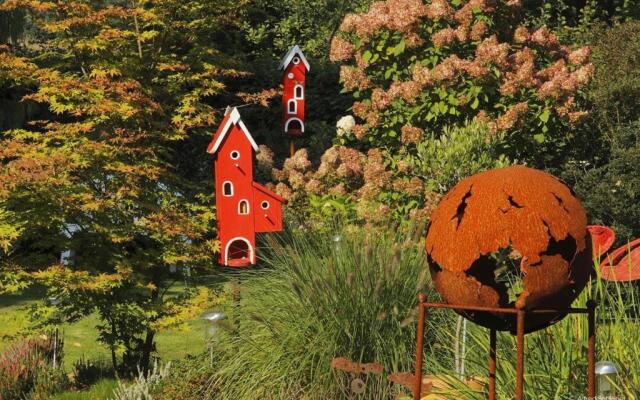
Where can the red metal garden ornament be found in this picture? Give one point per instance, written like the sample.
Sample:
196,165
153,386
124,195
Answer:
622,264
602,238
243,206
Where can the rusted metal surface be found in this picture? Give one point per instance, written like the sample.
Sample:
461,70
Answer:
622,264
602,238
422,298
520,354
492,364
591,352
527,213
345,365
522,315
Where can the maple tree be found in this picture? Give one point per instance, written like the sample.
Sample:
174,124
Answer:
115,169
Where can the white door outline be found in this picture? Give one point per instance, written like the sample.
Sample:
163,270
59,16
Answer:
286,126
226,249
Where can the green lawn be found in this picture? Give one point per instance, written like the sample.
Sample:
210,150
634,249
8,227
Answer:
81,337
81,340
102,390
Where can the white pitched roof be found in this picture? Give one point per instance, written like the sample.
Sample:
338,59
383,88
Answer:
233,119
292,52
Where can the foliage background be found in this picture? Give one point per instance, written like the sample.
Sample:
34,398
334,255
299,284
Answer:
136,89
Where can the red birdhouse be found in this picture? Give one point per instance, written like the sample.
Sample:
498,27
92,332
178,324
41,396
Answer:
244,207
295,67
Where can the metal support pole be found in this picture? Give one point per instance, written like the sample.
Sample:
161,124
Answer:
591,363
417,388
292,149
492,364
520,354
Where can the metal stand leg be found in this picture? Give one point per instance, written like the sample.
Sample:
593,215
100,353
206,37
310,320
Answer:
520,355
417,388
591,363
492,364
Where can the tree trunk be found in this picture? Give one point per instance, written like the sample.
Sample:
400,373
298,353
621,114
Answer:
147,350
114,361
149,345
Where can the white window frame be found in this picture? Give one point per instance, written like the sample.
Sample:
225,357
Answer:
248,207
295,92
295,106
232,189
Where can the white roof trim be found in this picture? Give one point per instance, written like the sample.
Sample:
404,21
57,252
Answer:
289,56
234,119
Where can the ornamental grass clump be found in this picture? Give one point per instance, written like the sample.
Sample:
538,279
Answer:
348,294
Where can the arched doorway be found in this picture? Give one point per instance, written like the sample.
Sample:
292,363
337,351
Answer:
294,126
239,252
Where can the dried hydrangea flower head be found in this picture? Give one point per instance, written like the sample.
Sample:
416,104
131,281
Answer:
532,68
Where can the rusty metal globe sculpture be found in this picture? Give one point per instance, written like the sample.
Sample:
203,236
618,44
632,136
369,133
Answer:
510,237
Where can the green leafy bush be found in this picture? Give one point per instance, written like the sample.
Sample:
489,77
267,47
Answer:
611,193
456,153
87,372
615,89
577,17
188,380
353,186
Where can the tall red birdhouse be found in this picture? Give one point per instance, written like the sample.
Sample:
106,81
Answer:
243,206
295,67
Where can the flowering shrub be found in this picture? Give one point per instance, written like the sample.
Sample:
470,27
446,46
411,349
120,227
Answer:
415,68
442,90
22,364
377,186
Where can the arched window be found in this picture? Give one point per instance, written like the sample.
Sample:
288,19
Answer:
292,107
227,188
299,92
243,207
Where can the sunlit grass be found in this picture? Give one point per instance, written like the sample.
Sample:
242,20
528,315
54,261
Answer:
555,357
348,294
102,390
81,337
